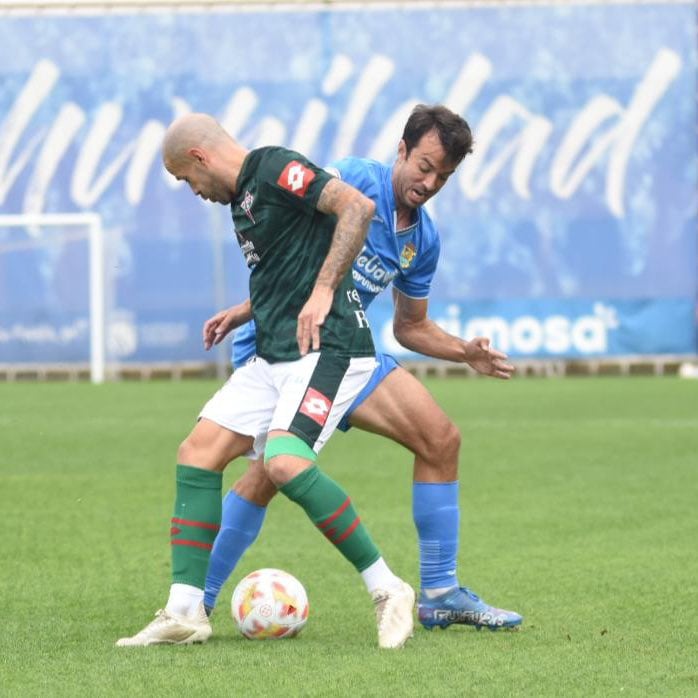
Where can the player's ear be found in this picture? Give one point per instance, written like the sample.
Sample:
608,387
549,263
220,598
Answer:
198,154
402,150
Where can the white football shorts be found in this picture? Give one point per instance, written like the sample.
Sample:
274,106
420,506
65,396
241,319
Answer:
306,397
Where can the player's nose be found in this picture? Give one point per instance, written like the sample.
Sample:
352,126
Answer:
431,182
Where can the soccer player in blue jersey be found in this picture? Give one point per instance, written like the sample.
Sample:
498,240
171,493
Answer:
402,248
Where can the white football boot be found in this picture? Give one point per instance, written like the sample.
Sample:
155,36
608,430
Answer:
171,629
394,615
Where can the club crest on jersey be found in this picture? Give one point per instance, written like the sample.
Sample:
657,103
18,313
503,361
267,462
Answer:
296,178
409,252
246,205
316,406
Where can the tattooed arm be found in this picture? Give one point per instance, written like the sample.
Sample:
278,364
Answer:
354,212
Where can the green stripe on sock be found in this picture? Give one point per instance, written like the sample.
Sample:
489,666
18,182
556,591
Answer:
195,523
329,507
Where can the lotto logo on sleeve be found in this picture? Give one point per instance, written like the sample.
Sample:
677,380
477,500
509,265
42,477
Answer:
316,406
296,178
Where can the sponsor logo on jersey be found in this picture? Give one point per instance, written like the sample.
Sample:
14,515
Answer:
409,252
247,247
296,178
316,406
246,205
372,267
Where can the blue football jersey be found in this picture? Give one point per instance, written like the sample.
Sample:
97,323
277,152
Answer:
407,258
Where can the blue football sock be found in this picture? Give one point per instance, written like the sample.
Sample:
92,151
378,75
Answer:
436,516
241,522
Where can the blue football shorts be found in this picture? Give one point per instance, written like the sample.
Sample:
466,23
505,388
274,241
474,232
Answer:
386,363
244,346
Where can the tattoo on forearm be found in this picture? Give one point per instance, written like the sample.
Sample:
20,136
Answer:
353,218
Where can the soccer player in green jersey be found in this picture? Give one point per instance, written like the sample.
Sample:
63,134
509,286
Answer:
401,250
299,229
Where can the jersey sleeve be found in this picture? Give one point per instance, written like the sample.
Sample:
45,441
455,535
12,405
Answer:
296,175
415,281
358,173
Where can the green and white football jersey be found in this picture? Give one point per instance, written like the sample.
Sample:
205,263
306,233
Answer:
285,240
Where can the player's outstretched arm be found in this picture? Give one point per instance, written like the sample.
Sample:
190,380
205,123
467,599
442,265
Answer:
354,212
415,331
217,327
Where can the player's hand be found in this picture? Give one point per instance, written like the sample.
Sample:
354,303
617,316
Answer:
487,360
217,327
311,318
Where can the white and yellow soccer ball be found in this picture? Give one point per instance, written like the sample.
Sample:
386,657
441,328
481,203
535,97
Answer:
270,604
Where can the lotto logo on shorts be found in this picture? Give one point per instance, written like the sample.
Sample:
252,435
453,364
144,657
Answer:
296,178
316,406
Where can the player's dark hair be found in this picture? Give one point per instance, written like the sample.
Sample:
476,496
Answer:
454,132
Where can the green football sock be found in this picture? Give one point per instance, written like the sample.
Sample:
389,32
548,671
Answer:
331,510
195,523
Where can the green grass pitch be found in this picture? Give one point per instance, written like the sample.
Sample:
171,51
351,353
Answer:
579,509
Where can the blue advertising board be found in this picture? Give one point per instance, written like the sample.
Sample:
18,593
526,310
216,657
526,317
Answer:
570,231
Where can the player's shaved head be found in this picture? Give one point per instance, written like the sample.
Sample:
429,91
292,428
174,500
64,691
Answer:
191,131
198,150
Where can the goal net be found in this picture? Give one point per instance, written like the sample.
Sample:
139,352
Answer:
53,292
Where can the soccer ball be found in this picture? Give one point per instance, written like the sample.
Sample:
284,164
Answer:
269,604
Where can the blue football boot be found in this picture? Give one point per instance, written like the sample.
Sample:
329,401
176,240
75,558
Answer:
462,607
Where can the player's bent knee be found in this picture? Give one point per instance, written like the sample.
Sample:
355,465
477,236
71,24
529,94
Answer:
282,469
209,456
453,438
443,443
277,470
186,453
285,457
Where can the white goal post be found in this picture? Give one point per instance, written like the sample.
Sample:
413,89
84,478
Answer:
92,222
